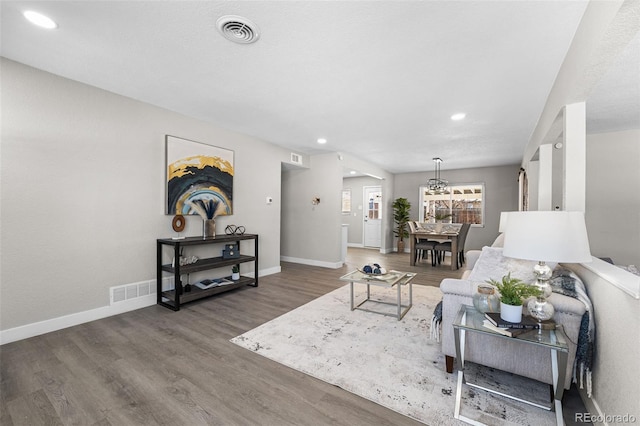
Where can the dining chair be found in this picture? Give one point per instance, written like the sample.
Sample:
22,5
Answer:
422,246
443,247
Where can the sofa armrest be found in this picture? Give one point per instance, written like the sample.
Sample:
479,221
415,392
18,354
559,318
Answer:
471,257
455,294
453,286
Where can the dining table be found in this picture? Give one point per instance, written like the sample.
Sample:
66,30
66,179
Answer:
446,232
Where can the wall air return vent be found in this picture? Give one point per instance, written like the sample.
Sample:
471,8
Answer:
296,158
126,292
238,29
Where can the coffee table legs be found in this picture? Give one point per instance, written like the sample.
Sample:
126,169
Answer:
400,313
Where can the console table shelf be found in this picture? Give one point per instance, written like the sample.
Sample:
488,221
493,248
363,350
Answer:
173,299
204,264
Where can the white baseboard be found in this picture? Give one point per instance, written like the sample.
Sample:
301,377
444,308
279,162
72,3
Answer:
270,271
357,245
593,409
55,324
395,250
120,307
312,262
263,272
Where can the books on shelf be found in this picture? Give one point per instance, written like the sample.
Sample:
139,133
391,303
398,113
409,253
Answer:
527,322
216,282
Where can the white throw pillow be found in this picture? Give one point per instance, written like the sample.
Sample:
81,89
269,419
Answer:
499,242
493,265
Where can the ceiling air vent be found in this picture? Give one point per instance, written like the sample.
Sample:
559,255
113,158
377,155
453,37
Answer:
238,29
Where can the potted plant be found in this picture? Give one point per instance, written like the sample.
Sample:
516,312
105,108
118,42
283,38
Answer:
512,293
439,217
235,272
401,208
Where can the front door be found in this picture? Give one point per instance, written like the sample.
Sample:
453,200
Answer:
372,216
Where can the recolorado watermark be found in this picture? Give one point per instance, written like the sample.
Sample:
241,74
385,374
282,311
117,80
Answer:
606,418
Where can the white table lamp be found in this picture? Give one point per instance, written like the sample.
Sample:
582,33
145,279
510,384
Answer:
503,221
546,236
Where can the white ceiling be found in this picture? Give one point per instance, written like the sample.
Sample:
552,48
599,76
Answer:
377,79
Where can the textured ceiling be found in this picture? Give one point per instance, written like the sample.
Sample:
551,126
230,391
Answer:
377,79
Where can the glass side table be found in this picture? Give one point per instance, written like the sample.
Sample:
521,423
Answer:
470,320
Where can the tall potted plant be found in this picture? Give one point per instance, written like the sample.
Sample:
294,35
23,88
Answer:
401,208
512,293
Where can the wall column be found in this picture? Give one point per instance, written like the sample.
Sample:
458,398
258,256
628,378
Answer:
575,158
545,177
533,176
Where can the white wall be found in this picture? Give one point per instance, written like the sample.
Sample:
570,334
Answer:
311,234
83,193
501,194
613,196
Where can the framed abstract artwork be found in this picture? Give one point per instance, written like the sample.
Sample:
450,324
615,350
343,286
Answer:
197,171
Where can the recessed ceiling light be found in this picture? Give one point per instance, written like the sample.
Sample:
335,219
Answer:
40,20
322,141
353,172
458,116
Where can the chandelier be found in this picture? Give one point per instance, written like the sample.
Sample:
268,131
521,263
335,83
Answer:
437,185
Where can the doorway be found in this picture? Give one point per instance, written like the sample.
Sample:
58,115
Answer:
372,225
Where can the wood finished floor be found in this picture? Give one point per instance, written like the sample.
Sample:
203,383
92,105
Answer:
155,366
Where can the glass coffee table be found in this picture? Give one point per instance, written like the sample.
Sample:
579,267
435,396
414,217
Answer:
389,280
470,320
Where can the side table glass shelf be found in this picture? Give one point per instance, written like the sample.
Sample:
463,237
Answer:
173,299
469,320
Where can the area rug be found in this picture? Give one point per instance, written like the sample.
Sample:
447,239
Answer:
392,363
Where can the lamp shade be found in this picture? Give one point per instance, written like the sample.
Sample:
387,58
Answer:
549,236
503,221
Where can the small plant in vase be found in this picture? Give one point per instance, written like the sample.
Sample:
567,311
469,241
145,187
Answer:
439,217
235,272
512,293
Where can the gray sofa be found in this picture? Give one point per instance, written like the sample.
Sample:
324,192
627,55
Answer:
525,360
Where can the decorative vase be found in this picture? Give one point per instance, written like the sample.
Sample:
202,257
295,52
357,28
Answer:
486,299
510,313
235,276
209,228
439,226
400,246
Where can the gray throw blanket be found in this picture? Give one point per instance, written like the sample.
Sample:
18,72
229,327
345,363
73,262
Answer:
436,319
563,281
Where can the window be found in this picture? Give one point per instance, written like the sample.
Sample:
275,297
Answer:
346,201
374,206
465,204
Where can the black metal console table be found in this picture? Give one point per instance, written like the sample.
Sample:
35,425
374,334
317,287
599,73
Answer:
173,299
